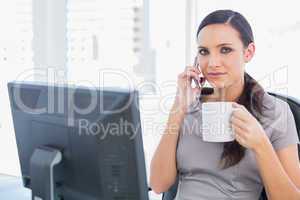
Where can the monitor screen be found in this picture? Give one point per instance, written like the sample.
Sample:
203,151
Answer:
97,132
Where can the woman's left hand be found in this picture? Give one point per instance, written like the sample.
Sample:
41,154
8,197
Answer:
248,131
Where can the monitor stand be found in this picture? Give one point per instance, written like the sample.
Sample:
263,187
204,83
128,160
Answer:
42,163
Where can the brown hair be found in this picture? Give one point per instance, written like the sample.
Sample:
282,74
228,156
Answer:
252,94
252,99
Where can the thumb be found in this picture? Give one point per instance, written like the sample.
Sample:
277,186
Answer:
196,89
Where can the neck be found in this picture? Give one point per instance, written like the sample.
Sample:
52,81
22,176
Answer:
231,93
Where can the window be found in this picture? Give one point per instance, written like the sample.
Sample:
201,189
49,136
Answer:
16,63
145,39
109,36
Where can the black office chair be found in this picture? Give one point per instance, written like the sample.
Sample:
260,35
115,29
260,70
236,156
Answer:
295,107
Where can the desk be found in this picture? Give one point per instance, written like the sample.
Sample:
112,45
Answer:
11,187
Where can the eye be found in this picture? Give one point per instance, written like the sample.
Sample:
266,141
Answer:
225,50
203,52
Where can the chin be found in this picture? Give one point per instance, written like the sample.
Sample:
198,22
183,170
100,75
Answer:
218,84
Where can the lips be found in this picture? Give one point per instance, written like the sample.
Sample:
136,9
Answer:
216,74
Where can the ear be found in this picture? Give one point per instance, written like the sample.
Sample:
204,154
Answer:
249,52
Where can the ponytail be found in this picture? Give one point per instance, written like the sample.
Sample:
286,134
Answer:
251,98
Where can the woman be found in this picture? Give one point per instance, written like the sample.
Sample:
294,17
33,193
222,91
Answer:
264,152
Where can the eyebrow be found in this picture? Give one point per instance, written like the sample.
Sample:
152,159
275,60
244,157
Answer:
219,45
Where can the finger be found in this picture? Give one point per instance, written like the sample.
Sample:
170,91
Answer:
192,68
240,140
191,74
238,132
202,78
240,114
188,74
237,129
236,105
238,122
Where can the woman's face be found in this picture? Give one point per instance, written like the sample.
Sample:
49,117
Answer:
222,56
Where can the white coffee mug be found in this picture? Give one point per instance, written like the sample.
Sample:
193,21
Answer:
216,125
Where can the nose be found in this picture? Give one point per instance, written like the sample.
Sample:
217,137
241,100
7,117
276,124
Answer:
214,61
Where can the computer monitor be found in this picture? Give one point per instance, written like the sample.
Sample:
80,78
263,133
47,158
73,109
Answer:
78,143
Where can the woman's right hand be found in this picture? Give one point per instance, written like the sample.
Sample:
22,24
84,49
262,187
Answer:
185,93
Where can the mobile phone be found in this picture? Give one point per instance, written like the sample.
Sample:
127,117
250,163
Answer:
202,79
204,90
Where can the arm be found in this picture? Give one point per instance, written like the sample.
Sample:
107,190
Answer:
163,170
280,171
